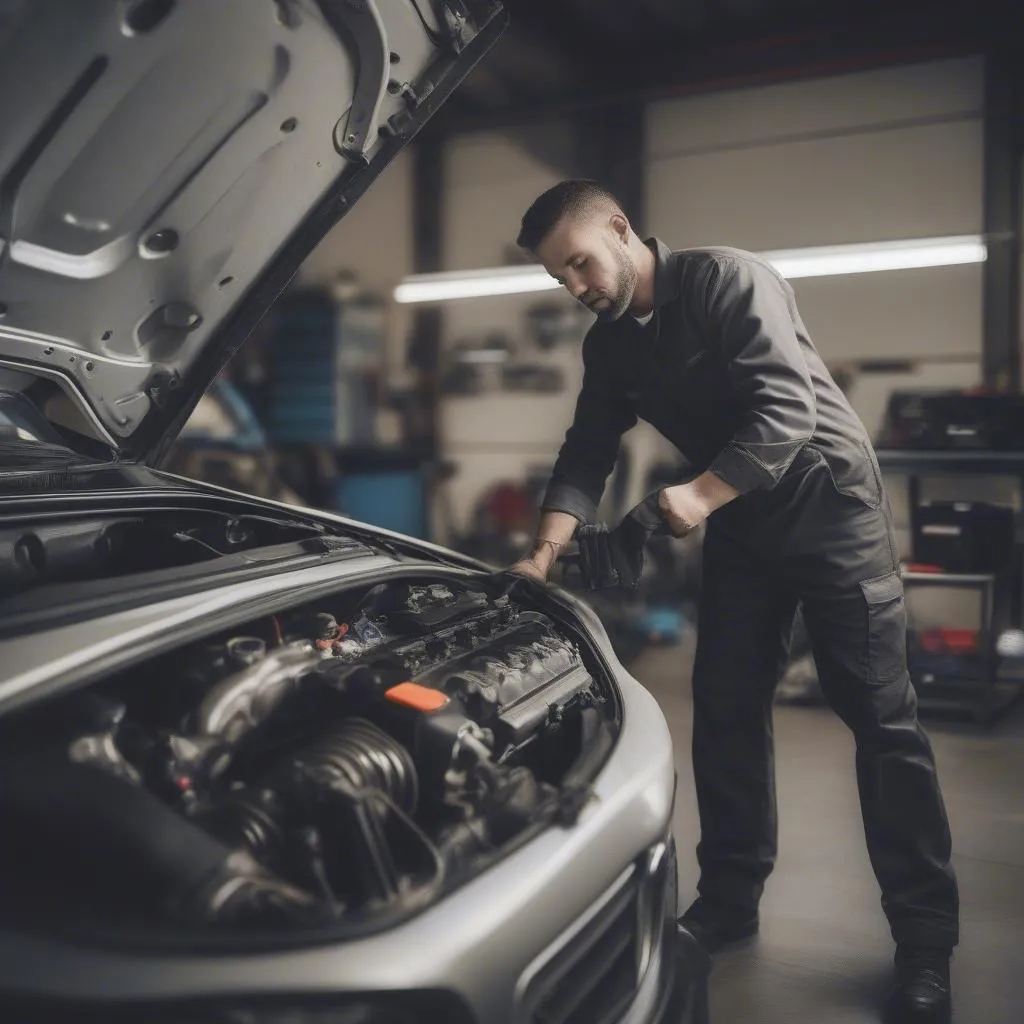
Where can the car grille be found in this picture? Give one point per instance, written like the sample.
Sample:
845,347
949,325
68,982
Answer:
591,974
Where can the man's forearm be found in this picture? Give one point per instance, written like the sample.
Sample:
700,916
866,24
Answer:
712,491
687,505
554,531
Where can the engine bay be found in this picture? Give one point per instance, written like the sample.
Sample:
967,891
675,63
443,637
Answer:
343,764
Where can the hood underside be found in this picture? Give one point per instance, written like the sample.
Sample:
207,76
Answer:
167,165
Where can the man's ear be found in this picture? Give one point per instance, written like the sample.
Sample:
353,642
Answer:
620,226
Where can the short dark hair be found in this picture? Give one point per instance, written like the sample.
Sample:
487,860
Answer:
568,198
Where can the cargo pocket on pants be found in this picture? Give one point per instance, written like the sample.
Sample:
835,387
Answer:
885,654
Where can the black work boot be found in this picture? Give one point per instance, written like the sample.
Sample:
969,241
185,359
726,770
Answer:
715,925
922,993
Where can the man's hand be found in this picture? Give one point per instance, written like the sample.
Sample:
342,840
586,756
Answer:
554,531
610,558
538,564
528,567
683,509
615,558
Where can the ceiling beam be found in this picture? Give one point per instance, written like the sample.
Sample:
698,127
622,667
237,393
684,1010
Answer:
855,44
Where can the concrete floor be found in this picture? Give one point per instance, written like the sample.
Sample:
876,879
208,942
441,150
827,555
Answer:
824,953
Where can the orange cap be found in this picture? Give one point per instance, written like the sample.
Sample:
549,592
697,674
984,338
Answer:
420,698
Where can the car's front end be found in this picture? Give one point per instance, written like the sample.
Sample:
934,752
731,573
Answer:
259,764
444,785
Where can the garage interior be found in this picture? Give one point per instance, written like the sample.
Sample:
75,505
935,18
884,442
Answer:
806,130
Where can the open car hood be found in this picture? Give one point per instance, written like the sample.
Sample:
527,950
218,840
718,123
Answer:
167,165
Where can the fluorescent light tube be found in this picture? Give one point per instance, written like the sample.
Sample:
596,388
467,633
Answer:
819,261
472,284
825,261
483,355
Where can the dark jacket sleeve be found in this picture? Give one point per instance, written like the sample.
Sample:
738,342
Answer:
591,445
749,314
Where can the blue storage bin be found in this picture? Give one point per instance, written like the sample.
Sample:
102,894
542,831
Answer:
393,499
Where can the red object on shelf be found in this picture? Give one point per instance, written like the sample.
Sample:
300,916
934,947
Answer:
509,507
949,641
923,567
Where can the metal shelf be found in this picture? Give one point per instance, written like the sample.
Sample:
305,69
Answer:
966,580
979,690
917,464
951,462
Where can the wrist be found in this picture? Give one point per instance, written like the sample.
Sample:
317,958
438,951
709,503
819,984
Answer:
544,553
715,491
686,501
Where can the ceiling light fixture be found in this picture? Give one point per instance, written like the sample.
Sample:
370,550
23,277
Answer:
819,261
474,284
826,261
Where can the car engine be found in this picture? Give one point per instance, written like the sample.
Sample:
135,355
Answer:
340,764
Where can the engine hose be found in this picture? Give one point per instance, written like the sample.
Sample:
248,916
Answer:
243,824
141,849
238,704
364,757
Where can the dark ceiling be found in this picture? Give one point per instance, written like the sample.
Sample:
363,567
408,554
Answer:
564,54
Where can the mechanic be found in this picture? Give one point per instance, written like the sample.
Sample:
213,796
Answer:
708,346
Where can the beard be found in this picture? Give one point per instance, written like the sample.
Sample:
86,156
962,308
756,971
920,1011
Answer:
619,299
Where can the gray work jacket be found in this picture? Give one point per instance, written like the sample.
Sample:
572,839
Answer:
727,371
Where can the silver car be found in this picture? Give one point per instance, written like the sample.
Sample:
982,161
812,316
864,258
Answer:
261,764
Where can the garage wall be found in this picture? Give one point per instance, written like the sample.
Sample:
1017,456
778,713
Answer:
490,180
893,153
888,154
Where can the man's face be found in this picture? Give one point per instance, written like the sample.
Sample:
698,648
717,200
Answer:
590,257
